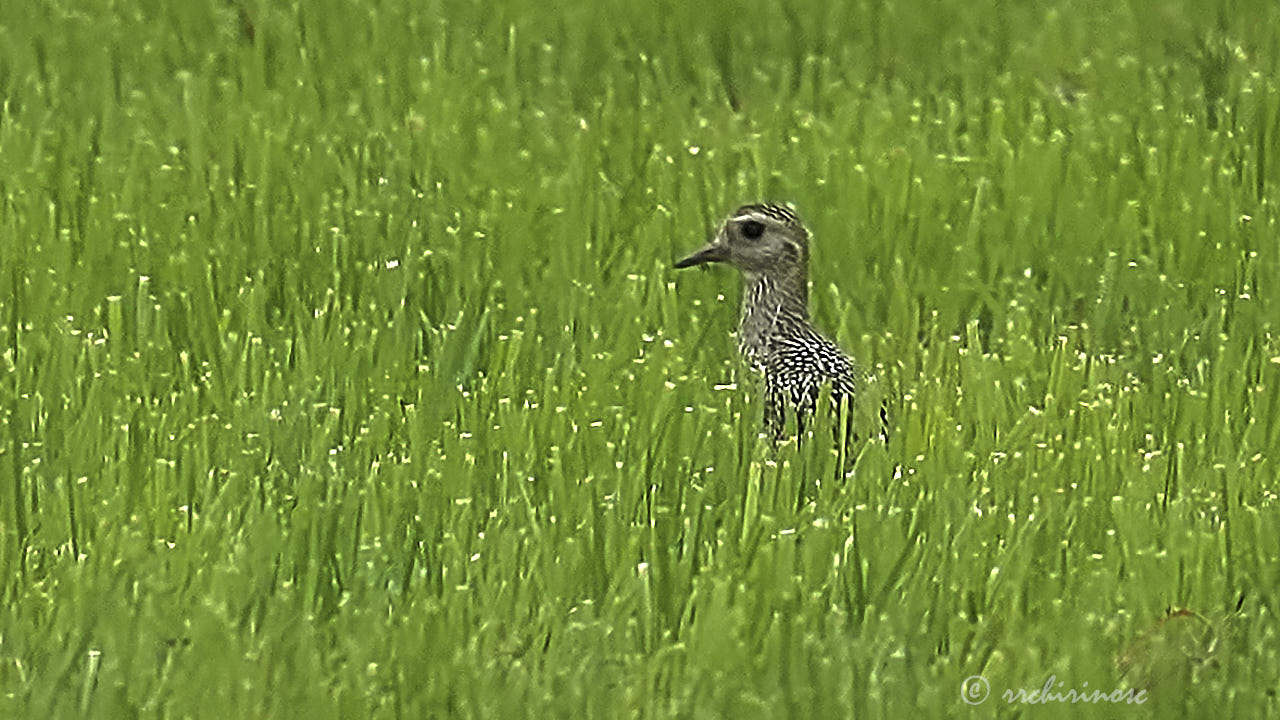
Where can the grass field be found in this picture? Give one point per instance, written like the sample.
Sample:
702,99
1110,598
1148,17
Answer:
345,373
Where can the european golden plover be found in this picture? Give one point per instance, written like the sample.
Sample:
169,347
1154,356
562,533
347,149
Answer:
769,245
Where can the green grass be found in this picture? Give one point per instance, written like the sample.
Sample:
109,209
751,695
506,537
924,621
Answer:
345,373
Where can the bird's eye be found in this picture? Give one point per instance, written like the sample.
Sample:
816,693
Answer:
752,229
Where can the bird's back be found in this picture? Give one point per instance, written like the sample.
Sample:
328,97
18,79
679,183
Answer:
798,362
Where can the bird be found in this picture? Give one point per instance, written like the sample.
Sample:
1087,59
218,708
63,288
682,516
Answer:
769,245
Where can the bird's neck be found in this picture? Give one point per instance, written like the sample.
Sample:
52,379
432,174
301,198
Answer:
768,301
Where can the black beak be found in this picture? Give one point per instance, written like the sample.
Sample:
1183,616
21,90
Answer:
708,254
